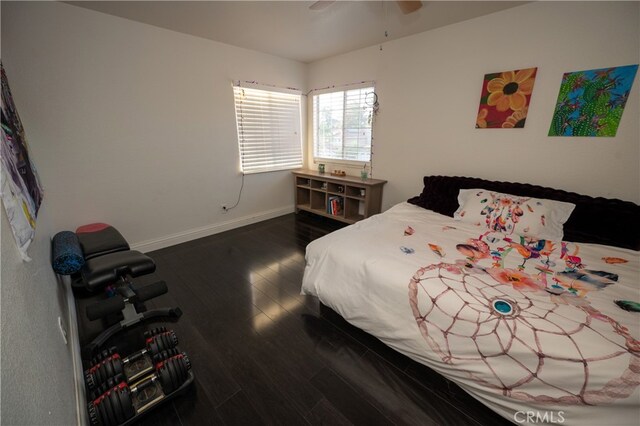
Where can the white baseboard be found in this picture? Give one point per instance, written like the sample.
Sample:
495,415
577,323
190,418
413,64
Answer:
205,231
73,337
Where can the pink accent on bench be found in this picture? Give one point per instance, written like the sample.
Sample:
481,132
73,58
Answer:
92,227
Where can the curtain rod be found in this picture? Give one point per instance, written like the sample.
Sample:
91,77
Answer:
257,83
339,86
334,86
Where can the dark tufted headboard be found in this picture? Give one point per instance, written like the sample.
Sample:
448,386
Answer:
595,220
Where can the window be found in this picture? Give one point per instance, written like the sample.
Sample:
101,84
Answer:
342,124
268,130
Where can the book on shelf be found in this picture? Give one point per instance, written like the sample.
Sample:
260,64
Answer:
335,206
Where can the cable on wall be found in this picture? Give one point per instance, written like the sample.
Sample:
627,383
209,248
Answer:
375,106
241,126
239,195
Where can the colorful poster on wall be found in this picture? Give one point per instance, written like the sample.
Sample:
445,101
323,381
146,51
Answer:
505,98
20,187
590,103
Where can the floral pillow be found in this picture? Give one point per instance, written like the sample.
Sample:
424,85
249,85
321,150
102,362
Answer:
512,214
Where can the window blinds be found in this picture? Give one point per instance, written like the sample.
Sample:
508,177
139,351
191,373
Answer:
268,130
342,124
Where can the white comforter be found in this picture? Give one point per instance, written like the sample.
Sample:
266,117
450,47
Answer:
529,328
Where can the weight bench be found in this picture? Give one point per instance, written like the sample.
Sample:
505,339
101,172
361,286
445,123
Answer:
106,261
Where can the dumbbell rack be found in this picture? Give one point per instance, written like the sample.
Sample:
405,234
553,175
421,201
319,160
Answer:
122,390
98,259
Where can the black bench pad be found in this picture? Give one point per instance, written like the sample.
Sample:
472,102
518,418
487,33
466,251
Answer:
104,270
100,239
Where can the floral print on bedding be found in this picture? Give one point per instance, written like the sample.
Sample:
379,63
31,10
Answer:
523,304
510,214
521,323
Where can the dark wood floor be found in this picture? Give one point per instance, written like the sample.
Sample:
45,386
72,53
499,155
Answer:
264,354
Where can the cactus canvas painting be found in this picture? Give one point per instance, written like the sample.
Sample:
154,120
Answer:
504,100
590,103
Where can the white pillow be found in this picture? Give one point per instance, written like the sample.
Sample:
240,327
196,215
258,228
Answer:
511,214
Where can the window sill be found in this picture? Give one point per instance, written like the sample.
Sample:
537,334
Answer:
254,172
353,163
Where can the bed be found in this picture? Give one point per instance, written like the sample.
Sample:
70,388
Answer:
540,331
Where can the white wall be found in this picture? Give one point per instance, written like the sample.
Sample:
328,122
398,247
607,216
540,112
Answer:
429,89
136,123
128,124
35,363
36,366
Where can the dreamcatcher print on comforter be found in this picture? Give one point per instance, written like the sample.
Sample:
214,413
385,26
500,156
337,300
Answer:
522,319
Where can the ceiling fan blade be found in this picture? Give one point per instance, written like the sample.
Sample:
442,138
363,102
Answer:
408,7
319,5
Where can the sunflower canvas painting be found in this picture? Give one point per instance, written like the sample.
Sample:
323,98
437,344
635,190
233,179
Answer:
590,103
505,98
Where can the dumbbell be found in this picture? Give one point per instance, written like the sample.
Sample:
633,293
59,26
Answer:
121,402
152,344
109,364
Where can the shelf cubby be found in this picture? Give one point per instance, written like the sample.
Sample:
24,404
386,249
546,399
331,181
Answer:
318,201
303,197
356,192
317,184
359,198
335,188
303,181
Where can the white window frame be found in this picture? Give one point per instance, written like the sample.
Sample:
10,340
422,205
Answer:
314,120
289,135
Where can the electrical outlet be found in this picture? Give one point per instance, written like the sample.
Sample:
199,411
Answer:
63,331
224,208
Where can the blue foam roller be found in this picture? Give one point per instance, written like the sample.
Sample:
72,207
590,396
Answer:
67,257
